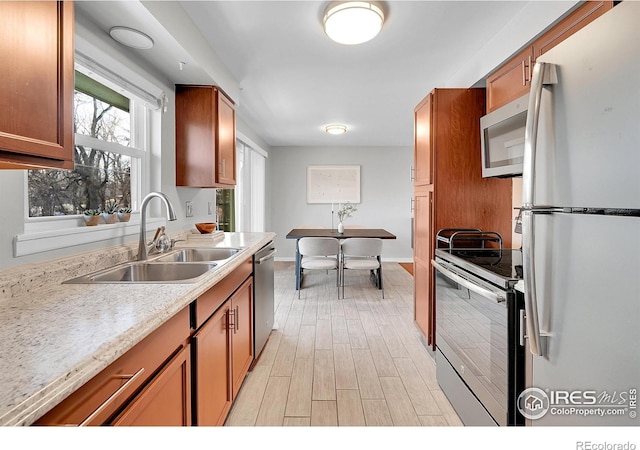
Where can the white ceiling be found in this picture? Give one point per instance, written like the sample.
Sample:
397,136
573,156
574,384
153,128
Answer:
289,79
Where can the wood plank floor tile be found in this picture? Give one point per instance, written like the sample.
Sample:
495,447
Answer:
350,412
419,394
306,341
324,413
283,362
339,332
368,381
382,359
345,369
376,413
274,402
345,362
324,380
247,405
299,398
400,406
297,421
324,338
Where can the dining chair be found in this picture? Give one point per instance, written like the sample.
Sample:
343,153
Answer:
319,253
362,254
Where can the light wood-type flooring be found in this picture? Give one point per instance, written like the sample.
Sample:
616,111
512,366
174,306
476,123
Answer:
355,361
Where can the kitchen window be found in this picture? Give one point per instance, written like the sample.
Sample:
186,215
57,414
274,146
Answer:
112,147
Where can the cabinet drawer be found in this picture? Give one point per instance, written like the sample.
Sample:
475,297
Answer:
102,396
211,300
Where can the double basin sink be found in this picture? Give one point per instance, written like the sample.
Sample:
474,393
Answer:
185,265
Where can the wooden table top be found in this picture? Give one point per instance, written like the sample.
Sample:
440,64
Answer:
298,233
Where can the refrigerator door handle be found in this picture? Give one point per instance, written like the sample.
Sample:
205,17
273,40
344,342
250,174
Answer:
530,297
543,74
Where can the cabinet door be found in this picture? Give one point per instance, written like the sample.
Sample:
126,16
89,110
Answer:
423,253
242,338
166,401
423,151
577,19
226,141
36,93
213,371
510,81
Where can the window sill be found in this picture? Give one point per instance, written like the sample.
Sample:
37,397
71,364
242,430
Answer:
44,241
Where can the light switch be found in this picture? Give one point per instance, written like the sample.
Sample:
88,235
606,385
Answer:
210,208
189,209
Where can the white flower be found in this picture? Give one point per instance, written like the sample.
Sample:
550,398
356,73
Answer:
346,211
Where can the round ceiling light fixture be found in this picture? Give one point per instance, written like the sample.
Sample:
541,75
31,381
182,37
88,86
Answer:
131,38
335,129
352,22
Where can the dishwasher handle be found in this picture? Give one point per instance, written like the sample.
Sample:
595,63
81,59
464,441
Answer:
266,257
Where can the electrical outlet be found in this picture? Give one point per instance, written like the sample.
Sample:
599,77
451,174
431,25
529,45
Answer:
189,209
210,208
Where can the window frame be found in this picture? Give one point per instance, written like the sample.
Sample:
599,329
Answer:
56,232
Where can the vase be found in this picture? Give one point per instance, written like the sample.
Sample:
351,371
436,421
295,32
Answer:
340,228
124,217
91,221
110,217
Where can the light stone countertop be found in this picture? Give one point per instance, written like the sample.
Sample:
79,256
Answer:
55,338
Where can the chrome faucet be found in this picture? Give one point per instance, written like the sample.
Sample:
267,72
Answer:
143,248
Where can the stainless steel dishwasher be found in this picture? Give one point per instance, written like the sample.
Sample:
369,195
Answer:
263,291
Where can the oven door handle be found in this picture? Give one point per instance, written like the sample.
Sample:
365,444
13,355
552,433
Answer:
498,297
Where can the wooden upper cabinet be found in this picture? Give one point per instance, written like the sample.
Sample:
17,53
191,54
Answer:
422,157
205,137
577,19
511,81
36,92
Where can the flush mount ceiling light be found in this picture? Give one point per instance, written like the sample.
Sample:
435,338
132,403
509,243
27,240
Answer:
131,38
352,22
336,129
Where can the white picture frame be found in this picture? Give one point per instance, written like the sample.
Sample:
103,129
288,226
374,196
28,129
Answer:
333,184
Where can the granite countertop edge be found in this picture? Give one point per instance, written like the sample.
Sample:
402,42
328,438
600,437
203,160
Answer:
29,387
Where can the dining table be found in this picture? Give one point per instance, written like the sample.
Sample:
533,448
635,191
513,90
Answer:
298,233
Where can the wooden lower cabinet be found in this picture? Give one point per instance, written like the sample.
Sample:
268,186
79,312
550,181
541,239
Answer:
166,401
148,384
223,354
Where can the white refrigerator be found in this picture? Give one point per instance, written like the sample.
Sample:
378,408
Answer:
581,228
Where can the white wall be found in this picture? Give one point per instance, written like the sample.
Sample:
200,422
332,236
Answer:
385,193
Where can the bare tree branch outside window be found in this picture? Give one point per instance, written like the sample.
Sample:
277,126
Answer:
98,175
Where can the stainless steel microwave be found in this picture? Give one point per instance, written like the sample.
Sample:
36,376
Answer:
502,133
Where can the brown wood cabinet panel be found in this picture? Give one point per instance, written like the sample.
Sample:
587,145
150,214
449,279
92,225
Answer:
242,339
36,93
211,300
96,401
458,197
205,137
213,375
166,401
511,81
577,19
423,253
422,154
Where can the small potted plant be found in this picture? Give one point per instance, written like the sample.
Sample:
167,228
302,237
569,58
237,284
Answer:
345,212
124,214
91,217
110,214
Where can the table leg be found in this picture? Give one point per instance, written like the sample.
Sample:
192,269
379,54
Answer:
297,266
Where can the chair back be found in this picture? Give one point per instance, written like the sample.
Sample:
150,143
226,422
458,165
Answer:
318,246
362,247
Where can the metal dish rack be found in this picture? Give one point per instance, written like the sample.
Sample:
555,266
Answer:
467,238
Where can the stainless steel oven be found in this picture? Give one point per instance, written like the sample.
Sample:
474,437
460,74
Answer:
479,354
